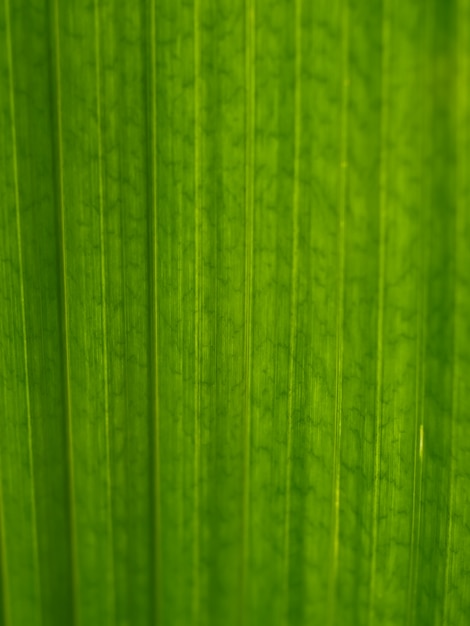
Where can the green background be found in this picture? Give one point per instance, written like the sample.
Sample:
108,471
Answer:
234,312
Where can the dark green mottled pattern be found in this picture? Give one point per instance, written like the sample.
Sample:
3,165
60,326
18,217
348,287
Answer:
234,312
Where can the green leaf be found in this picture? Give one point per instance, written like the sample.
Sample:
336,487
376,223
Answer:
234,312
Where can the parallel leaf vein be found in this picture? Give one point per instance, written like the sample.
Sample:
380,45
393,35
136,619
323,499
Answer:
104,313
340,311
248,303
34,531
197,307
381,297
154,301
64,303
294,290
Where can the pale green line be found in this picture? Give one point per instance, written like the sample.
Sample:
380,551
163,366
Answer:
294,293
34,531
419,396
381,295
197,311
104,316
455,378
417,464
66,362
417,458
154,295
248,296
339,316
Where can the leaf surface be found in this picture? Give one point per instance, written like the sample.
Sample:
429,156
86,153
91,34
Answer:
235,312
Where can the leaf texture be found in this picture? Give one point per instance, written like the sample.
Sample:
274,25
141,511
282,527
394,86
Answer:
235,312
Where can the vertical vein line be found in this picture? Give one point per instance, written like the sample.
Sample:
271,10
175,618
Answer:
197,308
461,108
455,379
248,296
57,105
420,373
417,455
22,300
381,295
155,411
104,314
294,290
335,513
